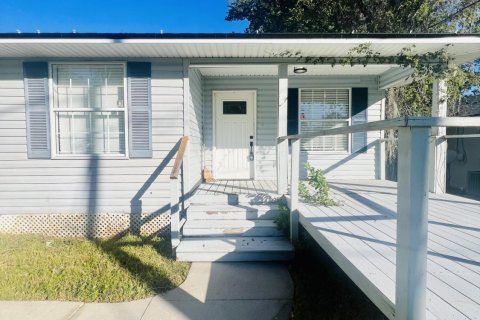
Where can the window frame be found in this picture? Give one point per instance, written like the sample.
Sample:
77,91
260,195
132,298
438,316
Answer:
125,109
349,120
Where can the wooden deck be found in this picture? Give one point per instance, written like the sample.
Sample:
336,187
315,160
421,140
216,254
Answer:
244,187
360,235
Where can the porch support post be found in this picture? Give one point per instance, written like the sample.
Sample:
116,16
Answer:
282,146
295,173
381,148
382,158
412,223
438,144
186,123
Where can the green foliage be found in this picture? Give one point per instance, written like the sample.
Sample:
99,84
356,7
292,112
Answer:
351,16
282,220
120,269
318,183
378,16
430,64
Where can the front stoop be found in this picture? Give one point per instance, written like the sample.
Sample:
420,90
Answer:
222,229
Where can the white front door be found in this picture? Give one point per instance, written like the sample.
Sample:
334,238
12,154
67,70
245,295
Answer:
234,113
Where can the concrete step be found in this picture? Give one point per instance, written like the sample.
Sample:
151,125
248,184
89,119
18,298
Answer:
234,249
232,212
229,228
234,199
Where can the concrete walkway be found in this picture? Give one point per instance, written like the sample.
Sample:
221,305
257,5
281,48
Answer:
226,291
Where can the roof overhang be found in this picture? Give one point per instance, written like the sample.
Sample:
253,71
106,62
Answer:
462,48
245,69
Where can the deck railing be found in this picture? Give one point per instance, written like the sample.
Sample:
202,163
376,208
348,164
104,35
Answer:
175,191
414,162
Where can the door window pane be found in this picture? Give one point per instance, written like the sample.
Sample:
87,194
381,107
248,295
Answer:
234,107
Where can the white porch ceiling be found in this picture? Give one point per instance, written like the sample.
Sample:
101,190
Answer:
462,48
272,70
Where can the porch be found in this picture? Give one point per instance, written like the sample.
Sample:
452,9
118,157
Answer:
224,217
360,235
275,110
388,252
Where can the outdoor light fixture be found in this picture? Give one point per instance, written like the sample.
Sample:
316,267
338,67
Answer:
299,70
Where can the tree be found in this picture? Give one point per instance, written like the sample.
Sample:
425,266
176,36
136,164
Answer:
374,16
377,16
360,16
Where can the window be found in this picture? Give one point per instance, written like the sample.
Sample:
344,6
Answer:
324,109
89,109
234,107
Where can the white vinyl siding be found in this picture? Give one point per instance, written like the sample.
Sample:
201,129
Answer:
196,128
324,109
341,165
89,108
337,165
84,185
266,119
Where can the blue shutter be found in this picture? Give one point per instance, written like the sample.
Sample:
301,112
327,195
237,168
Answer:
139,109
292,107
35,76
359,115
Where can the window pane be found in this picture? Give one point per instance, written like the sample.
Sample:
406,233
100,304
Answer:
98,88
234,107
90,132
324,109
89,86
324,143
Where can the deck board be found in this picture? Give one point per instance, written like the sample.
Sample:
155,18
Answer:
360,235
247,187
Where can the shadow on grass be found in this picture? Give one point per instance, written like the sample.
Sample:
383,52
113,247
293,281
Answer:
119,247
155,278
323,290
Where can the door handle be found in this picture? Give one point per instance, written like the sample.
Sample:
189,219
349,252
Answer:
251,156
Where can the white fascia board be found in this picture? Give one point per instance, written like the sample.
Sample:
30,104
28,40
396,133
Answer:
440,40
462,49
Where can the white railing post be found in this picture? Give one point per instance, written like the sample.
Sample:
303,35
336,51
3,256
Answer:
175,212
412,223
294,180
282,145
382,158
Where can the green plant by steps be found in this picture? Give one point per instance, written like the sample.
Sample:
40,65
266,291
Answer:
282,220
316,180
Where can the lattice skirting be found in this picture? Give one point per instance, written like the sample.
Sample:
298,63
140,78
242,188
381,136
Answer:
86,225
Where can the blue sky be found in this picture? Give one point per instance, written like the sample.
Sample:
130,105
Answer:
116,16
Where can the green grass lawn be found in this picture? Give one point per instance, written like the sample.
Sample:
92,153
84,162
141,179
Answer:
77,269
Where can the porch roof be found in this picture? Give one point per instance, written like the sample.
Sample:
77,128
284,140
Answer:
462,48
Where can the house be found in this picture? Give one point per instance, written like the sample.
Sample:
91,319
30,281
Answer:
91,123
107,133
463,163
